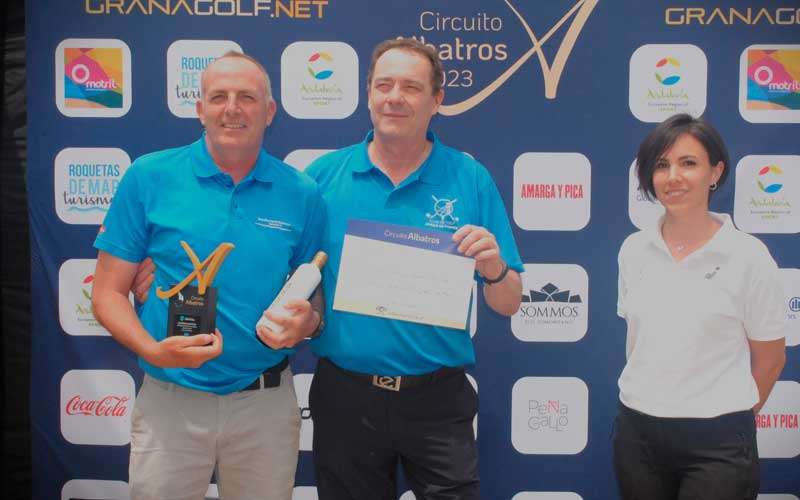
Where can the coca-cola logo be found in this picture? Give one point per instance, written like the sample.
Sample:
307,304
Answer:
109,406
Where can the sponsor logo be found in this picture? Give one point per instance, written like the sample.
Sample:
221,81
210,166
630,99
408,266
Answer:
108,406
475,49
699,16
765,171
778,422
552,191
319,80
549,415
769,84
86,489
669,79
273,9
550,312
95,406
186,60
93,77
75,279
317,60
678,84
791,286
767,193
85,181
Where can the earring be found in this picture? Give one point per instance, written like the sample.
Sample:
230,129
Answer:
713,186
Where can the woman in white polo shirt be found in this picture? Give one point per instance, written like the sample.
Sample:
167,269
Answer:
704,308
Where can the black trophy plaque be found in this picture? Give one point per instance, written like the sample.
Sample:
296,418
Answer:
191,313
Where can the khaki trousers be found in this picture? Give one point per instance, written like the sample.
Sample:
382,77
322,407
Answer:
180,436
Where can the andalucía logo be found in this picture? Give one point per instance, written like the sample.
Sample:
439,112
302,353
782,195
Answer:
766,194
763,173
471,43
667,79
317,65
319,80
662,65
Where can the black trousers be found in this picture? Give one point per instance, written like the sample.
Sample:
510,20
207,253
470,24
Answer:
686,458
362,432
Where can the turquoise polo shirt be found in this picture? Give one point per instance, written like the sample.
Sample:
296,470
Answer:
275,218
354,188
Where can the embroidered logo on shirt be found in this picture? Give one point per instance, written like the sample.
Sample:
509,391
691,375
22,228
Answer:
712,273
273,224
443,214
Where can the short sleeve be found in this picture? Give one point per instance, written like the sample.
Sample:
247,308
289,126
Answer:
764,312
124,232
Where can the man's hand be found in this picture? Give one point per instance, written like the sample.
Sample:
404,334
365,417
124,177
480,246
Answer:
184,352
145,274
479,243
301,322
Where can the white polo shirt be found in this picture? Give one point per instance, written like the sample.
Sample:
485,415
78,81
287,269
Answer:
689,322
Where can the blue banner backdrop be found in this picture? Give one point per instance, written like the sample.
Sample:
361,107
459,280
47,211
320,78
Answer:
553,97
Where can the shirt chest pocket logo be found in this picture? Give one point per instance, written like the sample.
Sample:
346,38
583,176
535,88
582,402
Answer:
443,215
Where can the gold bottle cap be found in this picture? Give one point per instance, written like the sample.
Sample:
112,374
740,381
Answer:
320,259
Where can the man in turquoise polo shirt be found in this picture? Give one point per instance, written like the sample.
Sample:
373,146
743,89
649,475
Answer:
389,390
202,407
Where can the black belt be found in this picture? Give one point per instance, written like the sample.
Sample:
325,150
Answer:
398,382
270,378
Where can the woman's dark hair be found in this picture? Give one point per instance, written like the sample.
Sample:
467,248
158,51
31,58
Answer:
664,136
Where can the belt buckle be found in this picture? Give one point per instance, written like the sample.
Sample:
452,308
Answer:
387,382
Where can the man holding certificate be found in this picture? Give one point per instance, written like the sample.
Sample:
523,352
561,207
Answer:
224,222
410,223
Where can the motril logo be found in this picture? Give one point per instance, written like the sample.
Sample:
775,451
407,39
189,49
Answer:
93,77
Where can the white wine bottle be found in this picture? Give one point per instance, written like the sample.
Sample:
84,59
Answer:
299,286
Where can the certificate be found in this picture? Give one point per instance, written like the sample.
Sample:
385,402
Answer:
405,273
